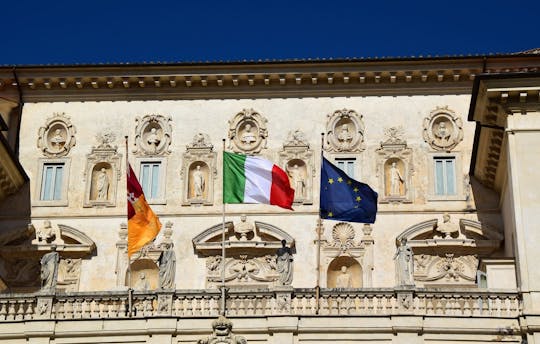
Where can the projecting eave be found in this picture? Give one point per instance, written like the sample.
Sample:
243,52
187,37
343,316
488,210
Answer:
494,98
252,80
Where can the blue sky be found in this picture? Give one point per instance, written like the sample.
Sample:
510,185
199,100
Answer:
66,32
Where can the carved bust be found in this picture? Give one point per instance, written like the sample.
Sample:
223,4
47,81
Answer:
222,333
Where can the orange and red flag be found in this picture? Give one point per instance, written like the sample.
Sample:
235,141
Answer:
143,224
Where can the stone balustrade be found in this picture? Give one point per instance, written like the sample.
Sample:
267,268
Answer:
279,301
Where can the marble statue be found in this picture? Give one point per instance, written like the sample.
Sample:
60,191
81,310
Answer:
395,180
46,233
344,279
102,185
448,228
243,227
298,182
167,267
248,136
404,264
49,270
199,182
284,262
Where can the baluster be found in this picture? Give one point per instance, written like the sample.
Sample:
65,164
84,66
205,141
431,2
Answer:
29,314
68,309
20,310
214,306
59,309
94,309
11,311
3,311
430,305
121,310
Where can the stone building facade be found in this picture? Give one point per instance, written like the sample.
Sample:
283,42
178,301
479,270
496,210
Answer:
448,144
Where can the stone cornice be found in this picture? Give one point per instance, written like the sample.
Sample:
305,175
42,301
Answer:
280,79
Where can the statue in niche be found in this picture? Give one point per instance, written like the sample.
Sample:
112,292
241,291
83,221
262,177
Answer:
448,228
298,182
248,136
243,228
404,264
58,140
49,270
284,263
344,136
153,139
46,233
167,267
395,180
102,185
442,132
199,182
344,279
142,282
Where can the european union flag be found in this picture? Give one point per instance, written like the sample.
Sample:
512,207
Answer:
345,199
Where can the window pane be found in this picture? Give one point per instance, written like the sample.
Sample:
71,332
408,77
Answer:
145,179
46,194
439,177
155,181
350,169
58,183
346,165
450,177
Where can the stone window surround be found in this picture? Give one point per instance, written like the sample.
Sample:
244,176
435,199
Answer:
357,163
162,199
431,196
63,201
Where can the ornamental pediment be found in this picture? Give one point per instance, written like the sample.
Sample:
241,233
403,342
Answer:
243,236
437,237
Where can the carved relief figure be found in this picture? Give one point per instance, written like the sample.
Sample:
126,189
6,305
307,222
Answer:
442,131
344,279
102,185
199,182
344,137
222,333
249,135
153,139
167,267
142,282
49,270
58,140
404,264
298,181
284,264
395,180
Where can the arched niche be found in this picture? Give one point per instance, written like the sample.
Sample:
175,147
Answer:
353,269
198,181
144,275
394,174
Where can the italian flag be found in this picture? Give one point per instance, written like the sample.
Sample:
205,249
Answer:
250,179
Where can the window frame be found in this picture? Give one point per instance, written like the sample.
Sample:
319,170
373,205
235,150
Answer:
355,164
458,177
63,201
161,183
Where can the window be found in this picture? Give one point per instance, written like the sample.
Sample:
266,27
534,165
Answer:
150,179
52,182
347,165
445,176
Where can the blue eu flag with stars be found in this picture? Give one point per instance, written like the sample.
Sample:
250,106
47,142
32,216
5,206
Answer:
345,199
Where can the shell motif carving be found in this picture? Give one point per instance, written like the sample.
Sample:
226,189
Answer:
343,236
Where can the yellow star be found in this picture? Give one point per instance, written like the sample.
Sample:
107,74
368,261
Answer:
349,182
330,214
355,189
356,207
331,181
340,179
358,199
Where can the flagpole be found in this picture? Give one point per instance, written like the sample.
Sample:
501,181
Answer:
319,232
223,291
130,290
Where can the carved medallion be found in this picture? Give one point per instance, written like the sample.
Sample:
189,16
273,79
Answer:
57,137
153,135
443,129
247,132
345,131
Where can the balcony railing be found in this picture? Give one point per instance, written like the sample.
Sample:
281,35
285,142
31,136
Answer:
300,302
